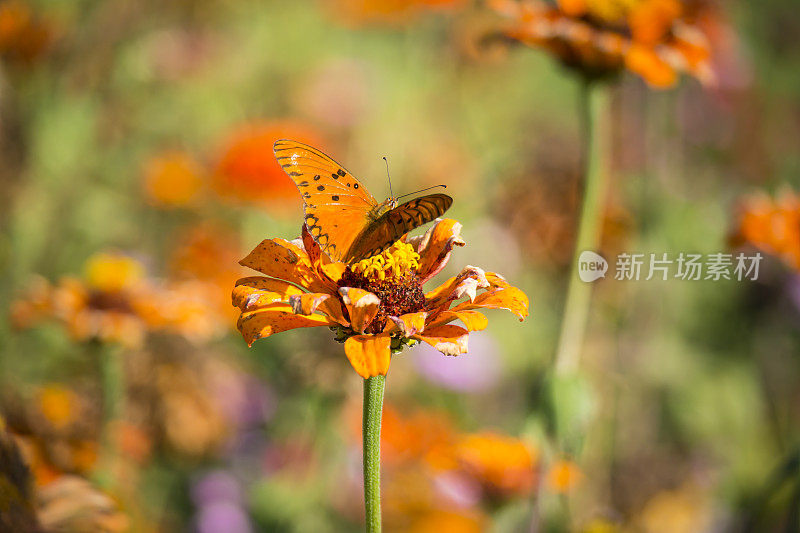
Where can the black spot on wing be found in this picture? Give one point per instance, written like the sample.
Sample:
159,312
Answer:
302,184
321,188
335,198
317,177
341,172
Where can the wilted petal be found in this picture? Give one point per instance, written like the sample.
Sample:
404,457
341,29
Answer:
369,354
435,245
256,291
510,298
448,339
473,320
467,282
275,318
361,305
408,324
307,303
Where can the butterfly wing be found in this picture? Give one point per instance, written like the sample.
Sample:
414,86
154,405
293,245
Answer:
395,223
337,206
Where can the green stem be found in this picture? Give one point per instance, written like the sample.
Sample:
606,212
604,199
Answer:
109,359
373,407
576,308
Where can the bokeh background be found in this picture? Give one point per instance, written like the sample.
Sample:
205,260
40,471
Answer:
136,169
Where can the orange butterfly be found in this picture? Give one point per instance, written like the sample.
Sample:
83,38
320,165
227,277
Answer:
341,215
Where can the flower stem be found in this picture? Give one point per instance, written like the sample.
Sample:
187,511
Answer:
373,408
576,308
109,360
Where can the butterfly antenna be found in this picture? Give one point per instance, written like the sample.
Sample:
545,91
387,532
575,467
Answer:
421,190
391,194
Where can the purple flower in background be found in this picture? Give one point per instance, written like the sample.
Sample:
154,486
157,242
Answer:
222,516
218,497
475,371
215,487
246,400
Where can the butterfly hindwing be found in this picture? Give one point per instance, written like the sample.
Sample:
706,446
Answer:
337,206
395,223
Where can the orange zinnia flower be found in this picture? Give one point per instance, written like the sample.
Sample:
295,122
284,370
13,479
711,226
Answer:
173,179
375,306
248,171
564,476
389,11
115,303
503,464
600,38
24,37
772,226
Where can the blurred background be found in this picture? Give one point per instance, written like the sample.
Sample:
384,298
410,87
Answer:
136,169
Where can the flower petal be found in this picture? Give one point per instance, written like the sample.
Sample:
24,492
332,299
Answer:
448,339
435,245
275,318
473,320
361,305
467,282
369,354
408,324
257,291
284,261
510,298
307,303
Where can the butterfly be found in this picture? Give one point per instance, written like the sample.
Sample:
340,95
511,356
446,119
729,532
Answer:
340,213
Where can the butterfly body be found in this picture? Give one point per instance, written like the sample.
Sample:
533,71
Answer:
341,215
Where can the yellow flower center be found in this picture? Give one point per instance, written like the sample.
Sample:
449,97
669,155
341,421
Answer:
113,272
392,277
393,262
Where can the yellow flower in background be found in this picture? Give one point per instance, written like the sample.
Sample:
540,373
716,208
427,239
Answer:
376,305
600,38
173,179
113,272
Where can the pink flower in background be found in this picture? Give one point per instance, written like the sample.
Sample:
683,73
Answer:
477,370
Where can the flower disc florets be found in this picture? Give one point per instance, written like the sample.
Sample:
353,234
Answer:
392,277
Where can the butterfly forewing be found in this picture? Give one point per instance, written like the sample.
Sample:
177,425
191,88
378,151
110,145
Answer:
337,206
393,224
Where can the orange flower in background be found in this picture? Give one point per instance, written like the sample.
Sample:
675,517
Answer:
58,405
436,475
24,37
601,38
115,303
563,476
503,464
247,170
208,254
173,179
771,225
375,306
389,11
